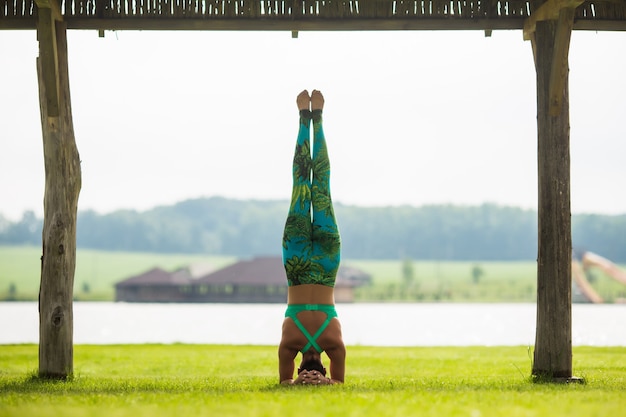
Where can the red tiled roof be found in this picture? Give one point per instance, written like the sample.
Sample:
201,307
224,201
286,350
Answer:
157,276
252,272
265,270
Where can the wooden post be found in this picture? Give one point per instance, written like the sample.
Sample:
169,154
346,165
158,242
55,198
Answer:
63,181
553,340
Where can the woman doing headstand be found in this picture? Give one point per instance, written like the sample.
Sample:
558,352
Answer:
311,255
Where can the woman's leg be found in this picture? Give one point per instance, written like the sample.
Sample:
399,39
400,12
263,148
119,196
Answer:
326,240
297,233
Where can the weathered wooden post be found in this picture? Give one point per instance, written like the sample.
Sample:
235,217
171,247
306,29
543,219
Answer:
63,181
549,29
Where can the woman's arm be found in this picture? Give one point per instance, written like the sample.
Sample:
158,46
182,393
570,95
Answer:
337,358
286,366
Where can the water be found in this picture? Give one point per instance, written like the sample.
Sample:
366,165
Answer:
362,324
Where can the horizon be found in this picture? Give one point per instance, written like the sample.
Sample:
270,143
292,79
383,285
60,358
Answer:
286,201
411,117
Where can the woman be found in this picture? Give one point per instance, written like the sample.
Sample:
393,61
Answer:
311,255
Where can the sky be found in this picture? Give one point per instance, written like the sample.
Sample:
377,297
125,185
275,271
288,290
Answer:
411,117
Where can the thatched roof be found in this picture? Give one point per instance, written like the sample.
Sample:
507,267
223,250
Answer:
298,15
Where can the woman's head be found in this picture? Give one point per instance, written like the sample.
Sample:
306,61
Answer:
312,365
312,361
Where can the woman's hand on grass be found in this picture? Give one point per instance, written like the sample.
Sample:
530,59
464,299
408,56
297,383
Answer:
298,381
315,378
309,378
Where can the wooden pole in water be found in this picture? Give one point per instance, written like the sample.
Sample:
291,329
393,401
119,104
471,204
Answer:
63,182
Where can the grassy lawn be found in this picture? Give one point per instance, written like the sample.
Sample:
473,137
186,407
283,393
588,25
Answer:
200,380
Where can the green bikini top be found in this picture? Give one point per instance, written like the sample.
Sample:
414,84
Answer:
292,313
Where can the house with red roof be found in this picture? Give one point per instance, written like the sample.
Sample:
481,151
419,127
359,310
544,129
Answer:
257,280
155,286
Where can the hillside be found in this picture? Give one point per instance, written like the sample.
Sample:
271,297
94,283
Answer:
220,226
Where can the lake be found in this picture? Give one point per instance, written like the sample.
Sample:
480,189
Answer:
423,324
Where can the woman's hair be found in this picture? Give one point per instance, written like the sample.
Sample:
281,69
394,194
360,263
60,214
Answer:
313,365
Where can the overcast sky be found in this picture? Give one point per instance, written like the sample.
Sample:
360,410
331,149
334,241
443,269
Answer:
410,118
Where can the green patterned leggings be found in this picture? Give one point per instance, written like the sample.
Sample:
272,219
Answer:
311,247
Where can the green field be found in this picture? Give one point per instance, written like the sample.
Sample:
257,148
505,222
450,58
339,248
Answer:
98,271
199,380
451,281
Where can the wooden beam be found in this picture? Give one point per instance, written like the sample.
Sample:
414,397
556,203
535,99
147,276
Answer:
62,187
553,339
173,24
301,25
561,11
53,5
550,10
600,25
560,68
49,12
48,55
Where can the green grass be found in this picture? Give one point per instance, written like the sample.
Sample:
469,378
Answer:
500,281
99,271
200,380
452,281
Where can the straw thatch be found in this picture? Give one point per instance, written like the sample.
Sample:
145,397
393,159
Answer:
305,14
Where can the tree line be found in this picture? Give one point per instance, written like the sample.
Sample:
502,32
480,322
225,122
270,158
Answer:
244,228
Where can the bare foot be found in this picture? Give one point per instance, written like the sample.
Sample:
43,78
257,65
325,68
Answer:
303,100
317,100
